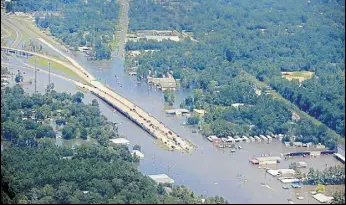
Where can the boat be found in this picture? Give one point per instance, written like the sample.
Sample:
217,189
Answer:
285,187
232,150
240,147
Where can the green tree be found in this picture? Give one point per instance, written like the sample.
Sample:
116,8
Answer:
338,198
169,96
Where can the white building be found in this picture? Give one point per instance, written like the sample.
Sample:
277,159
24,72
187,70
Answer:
120,141
323,198
162,178
137,153
268,160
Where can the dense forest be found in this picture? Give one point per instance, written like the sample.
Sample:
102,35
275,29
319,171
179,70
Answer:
330,176
92,173
77,23
24,119
261,40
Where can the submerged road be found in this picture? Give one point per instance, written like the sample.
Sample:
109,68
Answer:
136,114
124,21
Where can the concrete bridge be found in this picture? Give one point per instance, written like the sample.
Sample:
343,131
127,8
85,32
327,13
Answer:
136,114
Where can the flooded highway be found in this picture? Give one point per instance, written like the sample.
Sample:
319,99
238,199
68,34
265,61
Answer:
207,170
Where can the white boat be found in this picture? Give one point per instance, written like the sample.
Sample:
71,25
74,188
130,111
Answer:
240,147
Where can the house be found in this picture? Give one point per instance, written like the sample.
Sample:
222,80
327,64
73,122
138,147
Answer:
162,178
230,139
263,137
120,141
237,105
163,83
323,198
257,138
246,139
177,111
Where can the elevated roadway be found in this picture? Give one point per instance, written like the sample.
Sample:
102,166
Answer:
136,114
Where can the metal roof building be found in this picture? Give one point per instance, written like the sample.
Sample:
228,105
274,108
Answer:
268,160
162,178
323,198
120,141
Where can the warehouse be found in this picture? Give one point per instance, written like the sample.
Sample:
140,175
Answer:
268,160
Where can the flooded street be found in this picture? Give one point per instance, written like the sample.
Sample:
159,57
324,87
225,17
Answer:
207,170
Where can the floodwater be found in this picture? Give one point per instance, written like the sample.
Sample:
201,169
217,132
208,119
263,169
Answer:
207,170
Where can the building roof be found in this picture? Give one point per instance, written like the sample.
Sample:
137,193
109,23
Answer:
138,154
287,171
302,164
162,178
175,111
273,172
322,198
339,156
199,111
120,141
282,171
289,180
268,158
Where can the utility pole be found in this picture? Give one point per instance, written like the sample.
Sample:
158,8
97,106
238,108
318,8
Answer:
48,72
35,74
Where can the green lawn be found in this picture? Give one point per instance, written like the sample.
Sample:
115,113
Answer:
113,44
44,63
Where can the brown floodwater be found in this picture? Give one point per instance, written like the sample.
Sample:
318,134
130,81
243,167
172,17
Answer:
207,170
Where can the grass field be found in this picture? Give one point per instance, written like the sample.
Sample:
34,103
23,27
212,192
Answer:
114,43
44,63
298,75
